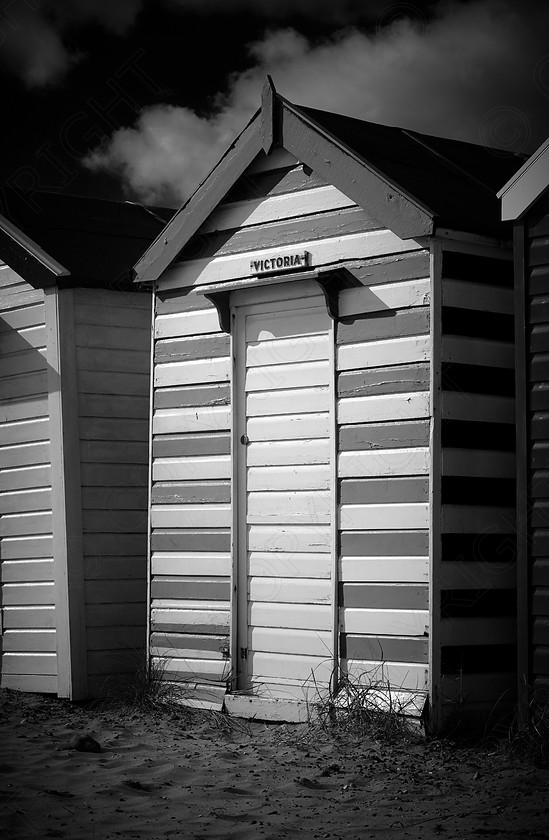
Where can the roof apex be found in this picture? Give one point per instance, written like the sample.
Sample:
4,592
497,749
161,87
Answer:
526,185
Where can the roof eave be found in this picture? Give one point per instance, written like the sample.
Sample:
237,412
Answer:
526,186
26,257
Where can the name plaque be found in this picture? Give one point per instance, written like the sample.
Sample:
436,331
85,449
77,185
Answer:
276,263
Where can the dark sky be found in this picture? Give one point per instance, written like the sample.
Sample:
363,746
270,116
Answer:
136,99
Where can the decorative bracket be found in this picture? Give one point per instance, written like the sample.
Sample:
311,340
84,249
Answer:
268,115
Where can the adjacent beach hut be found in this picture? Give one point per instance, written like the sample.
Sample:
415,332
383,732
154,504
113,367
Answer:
525,203
333,491
74,394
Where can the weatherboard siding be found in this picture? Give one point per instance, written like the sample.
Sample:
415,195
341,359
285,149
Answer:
476,577
27,604
383,409
112,343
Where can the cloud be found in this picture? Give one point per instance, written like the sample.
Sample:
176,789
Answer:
474,72
31,33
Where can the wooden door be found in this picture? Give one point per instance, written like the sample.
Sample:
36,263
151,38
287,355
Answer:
284,440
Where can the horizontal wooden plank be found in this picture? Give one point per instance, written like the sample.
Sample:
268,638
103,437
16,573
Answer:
477,351
185,492
197,322
25,477
397,379
384,648
210,645
477,631
16,319
288,350
293,401
111,405
210,589
198,395
384,569
266,326
192,670
35,617
386,622
290,590
135,318
540,601
26,409
189,653
14,341
114,452
480,407
205,443
190,373
116,544
263,210
407,677
14,525
485,575
114,337
376,517
397,596
208,622
113,475
114,498
284,640
109,615
114,429
289,538
304,507
323,252
384,490
128,382
26,500
384,543
299,477
384,462
383,407
25,431
279,377
187,349
382,297
183,540
191,563
479,296
114,568
472,519
540,572
116,638
540,632
26,571
25,385
193,420
404,266
112,361
29,663
21,594
24,682
191,516
115,298
21,298
39,641
279,233
200,469
316,669
394,351
477,462
288,427
307,617
27,547
280,453
118,522
270,564
386,324
384,435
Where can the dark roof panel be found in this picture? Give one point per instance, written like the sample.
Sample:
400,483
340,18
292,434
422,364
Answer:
456,180
97,240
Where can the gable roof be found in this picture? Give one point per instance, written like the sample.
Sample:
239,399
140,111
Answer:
526,186
71,240
411,182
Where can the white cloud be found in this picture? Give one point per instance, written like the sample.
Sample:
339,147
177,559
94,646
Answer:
470,74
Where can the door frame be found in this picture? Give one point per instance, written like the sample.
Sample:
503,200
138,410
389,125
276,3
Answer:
242,303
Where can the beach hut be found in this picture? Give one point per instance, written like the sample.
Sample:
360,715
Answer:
525,203
333,491
74,393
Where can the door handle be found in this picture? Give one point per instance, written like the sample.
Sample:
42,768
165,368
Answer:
244,439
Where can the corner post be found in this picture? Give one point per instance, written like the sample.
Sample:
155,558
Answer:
70,600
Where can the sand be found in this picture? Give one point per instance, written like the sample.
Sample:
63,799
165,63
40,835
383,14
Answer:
169,776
